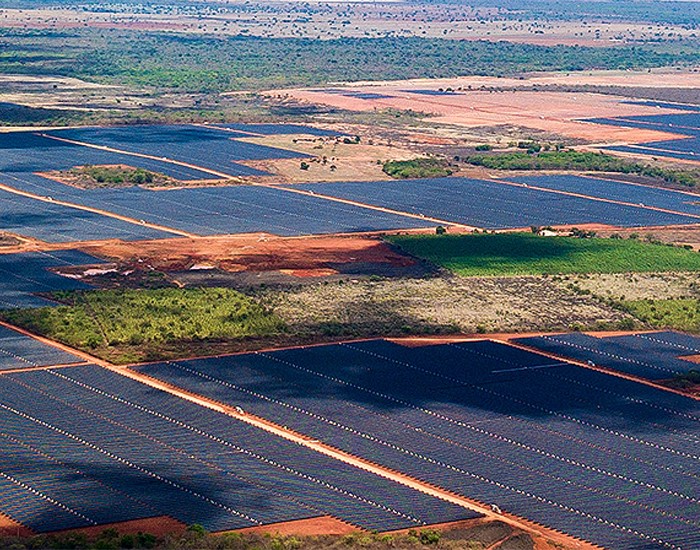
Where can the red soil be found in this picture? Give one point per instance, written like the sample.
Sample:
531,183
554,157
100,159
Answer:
323,525
311,256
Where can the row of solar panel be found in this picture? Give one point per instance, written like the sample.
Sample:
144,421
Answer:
23,275
494,205
618,191
20,351
653,356
219,210
605,460
107,449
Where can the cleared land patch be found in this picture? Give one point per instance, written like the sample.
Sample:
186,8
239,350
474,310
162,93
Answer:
527,254
132,325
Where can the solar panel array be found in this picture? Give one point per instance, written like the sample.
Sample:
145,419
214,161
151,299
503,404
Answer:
601,458
491,204
224,210
84,446
653,356
23,275
28,152
211,148
687,123
55,223
18,351
618,191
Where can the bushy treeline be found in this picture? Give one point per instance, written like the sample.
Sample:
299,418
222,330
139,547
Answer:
208,64
581,161
417,168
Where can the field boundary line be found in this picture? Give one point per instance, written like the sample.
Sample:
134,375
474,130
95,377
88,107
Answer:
368,206
105,213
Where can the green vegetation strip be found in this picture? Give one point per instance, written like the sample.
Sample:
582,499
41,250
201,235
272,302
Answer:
677,314
417,168
583,161
214,64
529,254
134,324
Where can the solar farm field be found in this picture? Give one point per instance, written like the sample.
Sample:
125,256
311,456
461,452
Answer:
24,153
493,205
655,356
23,275
618,191
210,148
84,446
687,123
225,210
57,223
20,351
595,456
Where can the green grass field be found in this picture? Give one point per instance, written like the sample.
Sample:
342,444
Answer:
678,314
529,254
132,325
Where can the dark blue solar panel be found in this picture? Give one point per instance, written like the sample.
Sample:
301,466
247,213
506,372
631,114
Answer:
224,210
174,458
491,204
432,92
601,458
618,191
645,355
18,351
22,275
665,105
56,223
210,148
27,152
640,150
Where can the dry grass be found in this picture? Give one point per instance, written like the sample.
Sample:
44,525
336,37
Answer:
438,305
637,286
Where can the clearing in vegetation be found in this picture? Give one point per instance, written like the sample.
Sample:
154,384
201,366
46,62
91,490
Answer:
418,168
132,325
678,314
580,161
529,254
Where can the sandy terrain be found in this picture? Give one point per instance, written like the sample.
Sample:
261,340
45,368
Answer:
554,112
158,526
638,286
328,20
329,158
437,305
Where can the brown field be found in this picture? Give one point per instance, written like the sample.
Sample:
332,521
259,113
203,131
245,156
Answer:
553,112
253,253
329,20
